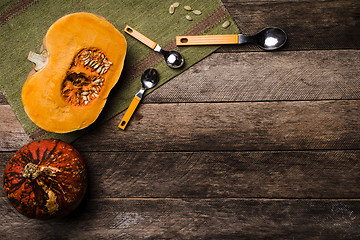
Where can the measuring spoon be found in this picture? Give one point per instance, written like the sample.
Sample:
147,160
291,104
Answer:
269,38
172,58
148,80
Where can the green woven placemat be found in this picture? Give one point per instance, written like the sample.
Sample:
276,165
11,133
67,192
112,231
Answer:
23,24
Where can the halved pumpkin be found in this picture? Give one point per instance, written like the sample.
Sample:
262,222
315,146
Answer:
82,59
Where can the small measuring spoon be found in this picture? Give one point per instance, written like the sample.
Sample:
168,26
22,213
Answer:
148,80
269,38
172,58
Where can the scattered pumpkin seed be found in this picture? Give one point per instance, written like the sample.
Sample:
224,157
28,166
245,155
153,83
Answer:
197,12
226,24
188,8
189,18
176,4
172,9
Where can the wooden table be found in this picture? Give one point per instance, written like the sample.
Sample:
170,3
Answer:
245,144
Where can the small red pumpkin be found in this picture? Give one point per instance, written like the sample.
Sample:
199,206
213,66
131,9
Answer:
45,179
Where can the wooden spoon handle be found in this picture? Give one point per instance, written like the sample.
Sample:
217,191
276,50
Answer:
207,40
129,112
148,42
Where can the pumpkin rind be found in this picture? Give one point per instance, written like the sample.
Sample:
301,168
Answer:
45,179
45,95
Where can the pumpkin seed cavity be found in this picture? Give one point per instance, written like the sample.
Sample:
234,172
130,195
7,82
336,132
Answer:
85,78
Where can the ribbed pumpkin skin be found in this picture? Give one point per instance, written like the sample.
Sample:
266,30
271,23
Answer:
58,186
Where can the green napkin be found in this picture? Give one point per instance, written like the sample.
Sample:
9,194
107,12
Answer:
23,24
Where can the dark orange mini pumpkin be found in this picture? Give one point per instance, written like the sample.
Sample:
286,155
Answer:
45,179
81,61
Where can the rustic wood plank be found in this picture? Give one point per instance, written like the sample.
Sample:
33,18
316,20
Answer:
218,127
232,127
302,75
307,174
192,219
322,24
298,174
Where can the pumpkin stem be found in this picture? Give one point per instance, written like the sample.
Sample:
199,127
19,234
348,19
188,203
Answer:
31,171
40,60
49,171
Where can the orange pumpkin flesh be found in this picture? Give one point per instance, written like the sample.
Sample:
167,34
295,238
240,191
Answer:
82,61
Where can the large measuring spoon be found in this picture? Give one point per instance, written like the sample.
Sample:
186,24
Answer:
148,80
172,58
269,38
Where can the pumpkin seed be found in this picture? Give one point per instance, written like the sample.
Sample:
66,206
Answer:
197,12
171,9
85,57
188,17
105,69
86,102
92,63
85,93
176,4
226,24
187,8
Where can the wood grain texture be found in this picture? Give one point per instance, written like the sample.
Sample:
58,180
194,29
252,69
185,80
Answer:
246,144
324,24
193,219
289,125
293,125
276,76
269,174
